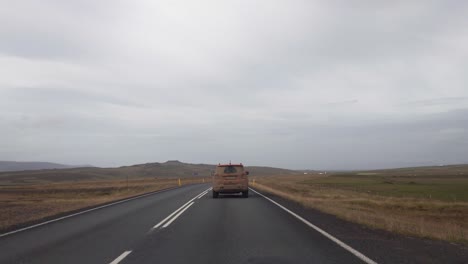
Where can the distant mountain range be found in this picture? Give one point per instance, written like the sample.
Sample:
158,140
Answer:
31,165
167,169
35,172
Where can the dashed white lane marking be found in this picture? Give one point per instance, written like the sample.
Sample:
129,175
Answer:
327,235
203,194
121,257
200,195
176,211
177,215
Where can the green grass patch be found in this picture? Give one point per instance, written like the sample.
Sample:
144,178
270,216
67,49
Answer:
440,188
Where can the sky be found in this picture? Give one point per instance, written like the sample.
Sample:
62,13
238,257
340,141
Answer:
293,84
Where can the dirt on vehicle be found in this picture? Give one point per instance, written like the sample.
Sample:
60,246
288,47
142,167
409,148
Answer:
230,178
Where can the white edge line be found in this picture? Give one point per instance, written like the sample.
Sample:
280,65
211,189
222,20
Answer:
321,231
177,215
173,213
83,212
121,257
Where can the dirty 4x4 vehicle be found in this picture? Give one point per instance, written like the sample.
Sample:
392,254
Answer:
230,178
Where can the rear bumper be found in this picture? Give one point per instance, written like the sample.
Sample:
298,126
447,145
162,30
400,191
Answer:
230,188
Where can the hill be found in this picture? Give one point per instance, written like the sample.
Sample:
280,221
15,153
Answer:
22,166
169,169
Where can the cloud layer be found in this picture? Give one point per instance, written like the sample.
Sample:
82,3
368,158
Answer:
296,84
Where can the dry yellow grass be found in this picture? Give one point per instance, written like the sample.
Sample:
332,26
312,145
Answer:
22,204
423,217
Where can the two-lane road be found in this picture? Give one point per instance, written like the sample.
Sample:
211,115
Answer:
183,225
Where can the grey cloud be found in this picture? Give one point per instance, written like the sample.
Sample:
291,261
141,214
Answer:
438,101
55,30
50,96
298,84
343,103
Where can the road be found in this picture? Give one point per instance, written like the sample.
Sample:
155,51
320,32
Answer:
151,229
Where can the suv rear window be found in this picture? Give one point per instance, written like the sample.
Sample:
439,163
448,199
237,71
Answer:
230,169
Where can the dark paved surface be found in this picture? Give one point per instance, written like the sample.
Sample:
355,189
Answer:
225,230
95,237
232,229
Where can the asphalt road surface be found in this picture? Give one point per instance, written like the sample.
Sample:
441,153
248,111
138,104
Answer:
183,225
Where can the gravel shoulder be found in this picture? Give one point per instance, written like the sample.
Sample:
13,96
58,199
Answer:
381,246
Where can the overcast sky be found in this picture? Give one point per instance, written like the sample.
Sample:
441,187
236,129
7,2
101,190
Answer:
294,84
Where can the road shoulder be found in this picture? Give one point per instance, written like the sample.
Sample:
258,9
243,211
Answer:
381,246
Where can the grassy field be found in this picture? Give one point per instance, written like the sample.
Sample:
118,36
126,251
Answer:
424,204
26,203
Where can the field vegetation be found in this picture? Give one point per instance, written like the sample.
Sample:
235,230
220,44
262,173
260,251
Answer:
26,203
426,202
